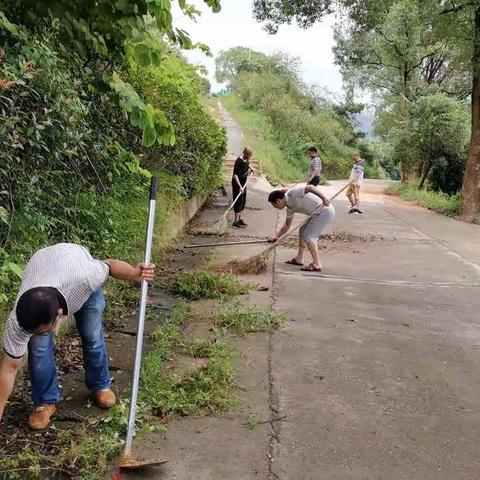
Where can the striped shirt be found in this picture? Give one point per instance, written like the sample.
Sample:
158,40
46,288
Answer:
315,167
67,267
356,175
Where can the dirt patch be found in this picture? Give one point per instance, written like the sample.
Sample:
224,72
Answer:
340,241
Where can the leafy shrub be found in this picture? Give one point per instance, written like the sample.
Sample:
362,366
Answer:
437,201
296,117
198,152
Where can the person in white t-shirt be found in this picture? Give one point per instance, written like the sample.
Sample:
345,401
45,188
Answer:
356,179
61,280
305,199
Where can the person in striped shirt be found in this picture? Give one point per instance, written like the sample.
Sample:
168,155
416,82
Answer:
356,179
61,280
315,170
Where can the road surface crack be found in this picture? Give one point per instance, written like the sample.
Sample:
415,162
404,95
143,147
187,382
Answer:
273,402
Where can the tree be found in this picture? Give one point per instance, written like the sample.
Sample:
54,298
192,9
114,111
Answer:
230,63
457,22
437,132
100,31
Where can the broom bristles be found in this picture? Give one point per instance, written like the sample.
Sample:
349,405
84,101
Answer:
253,265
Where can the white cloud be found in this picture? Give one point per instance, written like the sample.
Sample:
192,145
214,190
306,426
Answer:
234,26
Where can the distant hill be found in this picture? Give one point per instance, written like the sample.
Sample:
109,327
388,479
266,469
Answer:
365,121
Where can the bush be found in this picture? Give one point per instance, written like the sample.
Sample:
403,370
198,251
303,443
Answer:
70,160
198,152
437,201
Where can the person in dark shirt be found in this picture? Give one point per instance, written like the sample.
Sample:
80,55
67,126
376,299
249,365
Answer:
241,171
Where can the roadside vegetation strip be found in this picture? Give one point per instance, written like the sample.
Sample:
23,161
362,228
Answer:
243,320
258,133
199,283
438,201
85,446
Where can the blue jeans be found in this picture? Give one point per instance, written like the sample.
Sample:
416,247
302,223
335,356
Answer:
41,358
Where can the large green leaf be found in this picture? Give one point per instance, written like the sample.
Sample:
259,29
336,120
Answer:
149,136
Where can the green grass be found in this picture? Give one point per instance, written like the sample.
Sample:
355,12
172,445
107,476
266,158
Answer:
84,452
197,284
205,387
437,201
243,320
258,134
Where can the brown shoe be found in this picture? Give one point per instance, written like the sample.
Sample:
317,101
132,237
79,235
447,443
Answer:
42,415
105,398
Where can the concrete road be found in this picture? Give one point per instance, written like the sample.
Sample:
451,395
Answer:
376,373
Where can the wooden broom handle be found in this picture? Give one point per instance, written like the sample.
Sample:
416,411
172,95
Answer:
300,225
238,196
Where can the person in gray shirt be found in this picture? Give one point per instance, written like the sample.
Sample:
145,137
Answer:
307,200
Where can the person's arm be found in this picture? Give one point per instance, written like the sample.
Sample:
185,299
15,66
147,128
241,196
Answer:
285,228
8,371
316,191
310,177
358,173
235,177
124,271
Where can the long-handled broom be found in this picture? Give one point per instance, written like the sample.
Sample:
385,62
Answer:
221,225
128,460
258,263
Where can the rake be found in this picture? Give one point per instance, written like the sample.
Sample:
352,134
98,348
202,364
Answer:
258,263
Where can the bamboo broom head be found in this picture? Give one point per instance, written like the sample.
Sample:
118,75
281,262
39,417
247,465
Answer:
251,266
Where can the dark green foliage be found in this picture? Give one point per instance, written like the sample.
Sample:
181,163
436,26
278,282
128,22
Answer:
70,157
447,174
198,152
55,160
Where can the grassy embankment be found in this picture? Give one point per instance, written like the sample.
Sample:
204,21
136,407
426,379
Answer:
259,134
438,201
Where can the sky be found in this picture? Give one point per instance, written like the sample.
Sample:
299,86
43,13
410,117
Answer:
234,26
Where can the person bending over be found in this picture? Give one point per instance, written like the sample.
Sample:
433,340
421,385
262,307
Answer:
61,280
305,199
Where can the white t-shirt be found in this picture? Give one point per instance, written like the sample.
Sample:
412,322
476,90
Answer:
300,202
357,172
67,267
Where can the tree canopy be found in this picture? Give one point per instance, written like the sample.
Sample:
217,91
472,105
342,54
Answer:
397,49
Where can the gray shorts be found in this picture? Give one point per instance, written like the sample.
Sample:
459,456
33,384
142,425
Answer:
312,230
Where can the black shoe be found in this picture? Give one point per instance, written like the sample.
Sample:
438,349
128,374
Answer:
241,222
237,225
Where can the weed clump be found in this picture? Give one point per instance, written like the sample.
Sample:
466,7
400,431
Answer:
197,284
200,388
243,320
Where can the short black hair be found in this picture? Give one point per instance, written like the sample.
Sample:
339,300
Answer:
276,195
313,149
37,306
